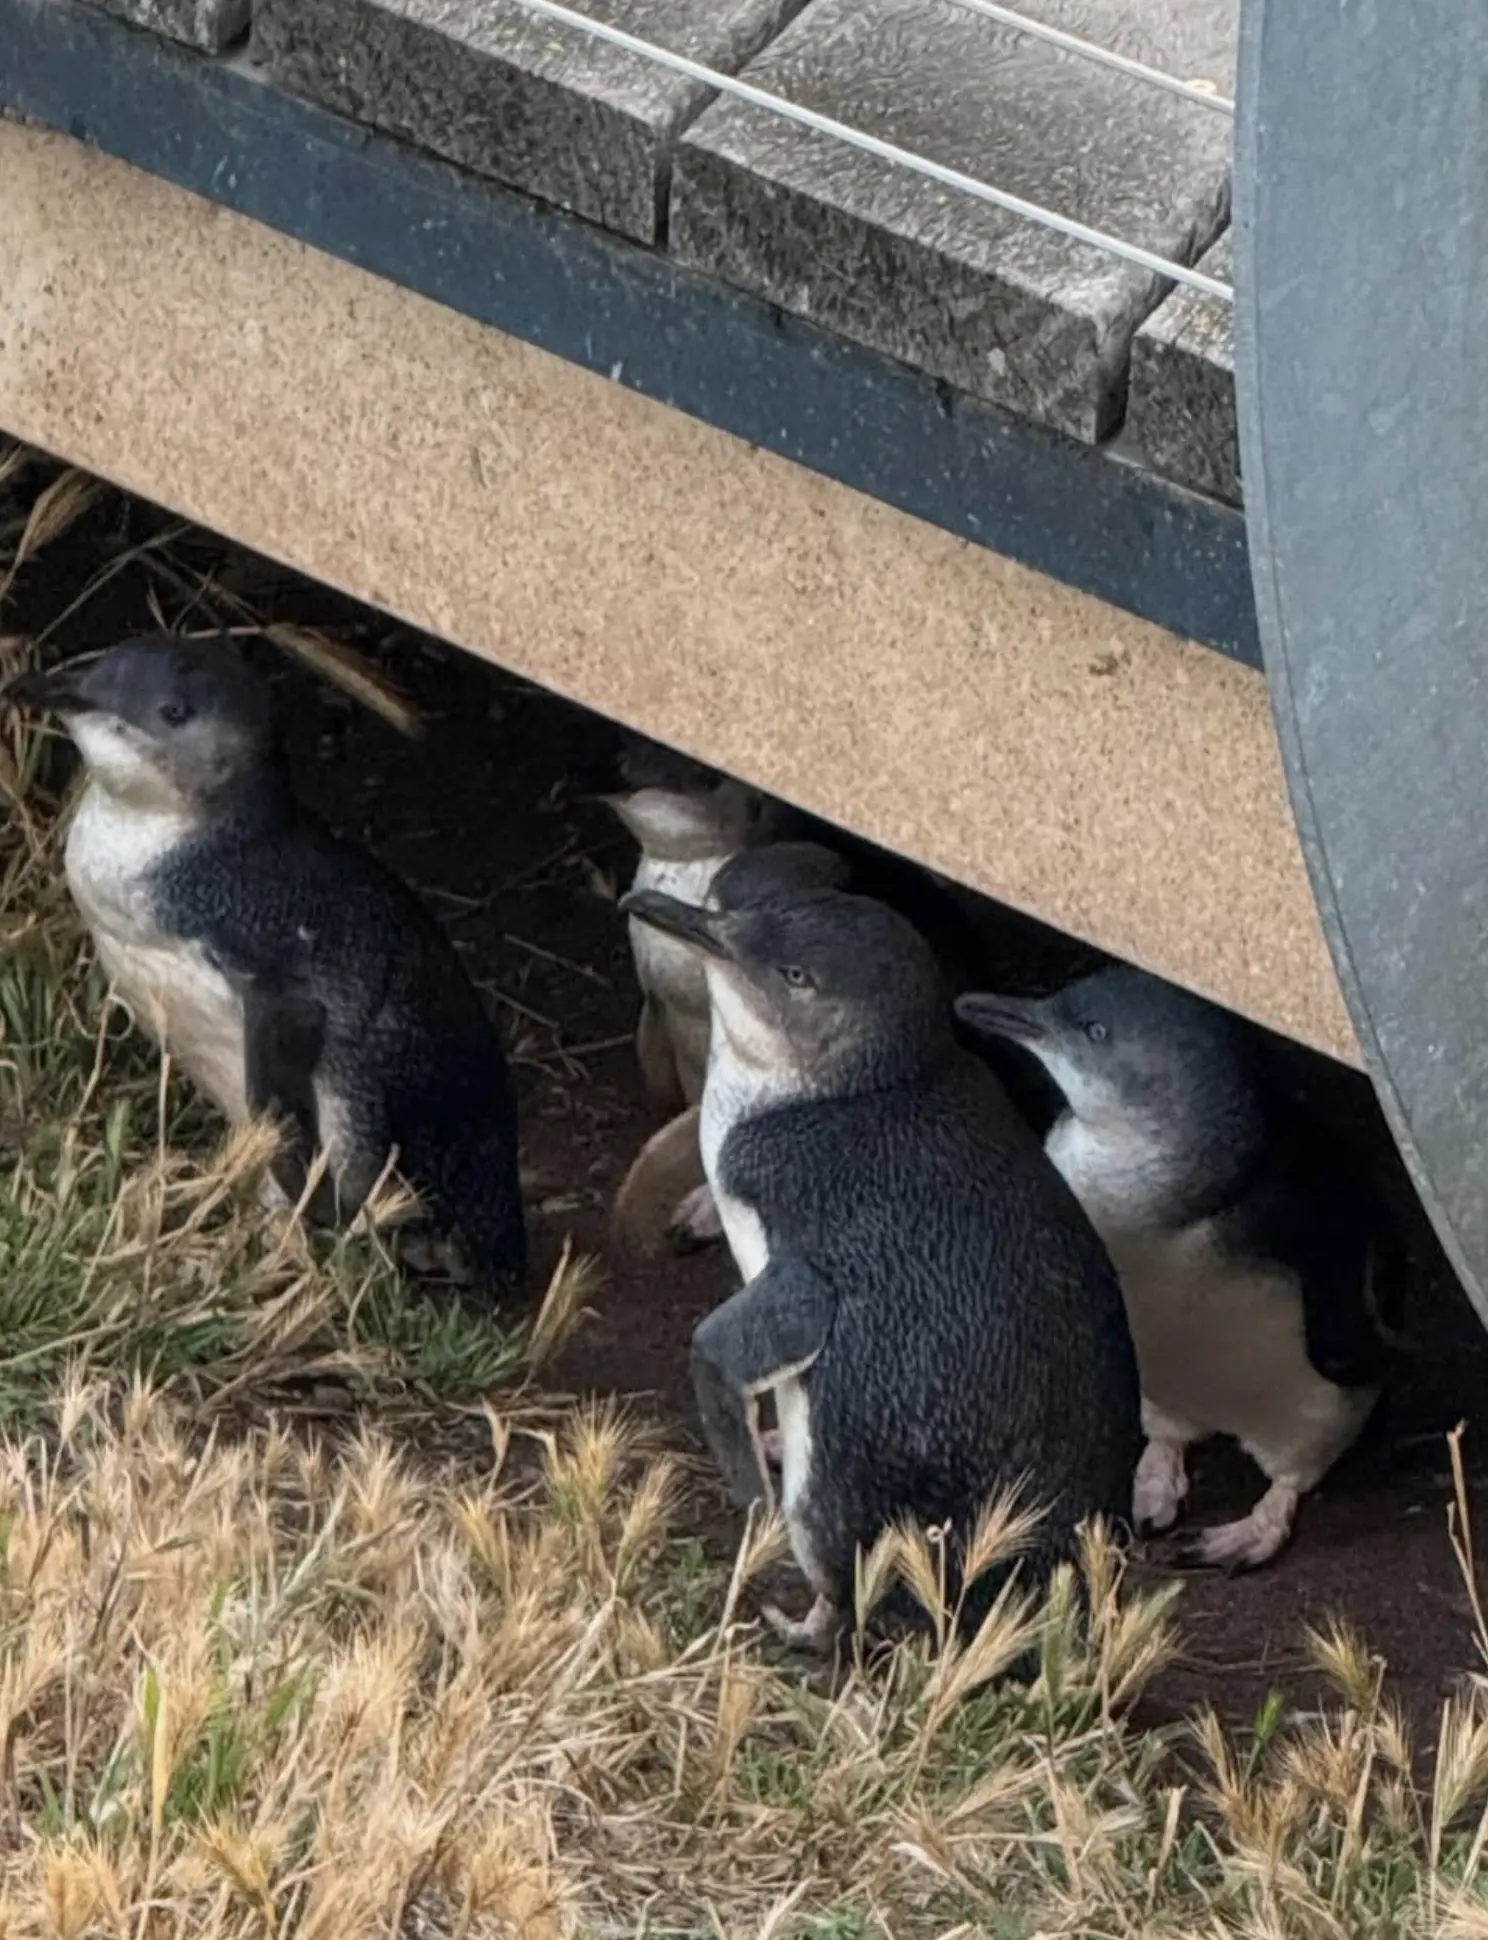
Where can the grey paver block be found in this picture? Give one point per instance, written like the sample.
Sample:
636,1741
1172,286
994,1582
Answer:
1182,405
211,25
989,301
507,94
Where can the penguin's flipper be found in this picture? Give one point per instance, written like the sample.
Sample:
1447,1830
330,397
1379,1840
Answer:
1351,1269
283,1037
771,1329
1352,1302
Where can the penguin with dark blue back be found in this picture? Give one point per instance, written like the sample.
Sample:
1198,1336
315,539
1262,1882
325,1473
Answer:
930,1310
1263,1272
286,971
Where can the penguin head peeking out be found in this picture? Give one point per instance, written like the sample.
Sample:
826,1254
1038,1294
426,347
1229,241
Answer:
820,992
1141,1063
677,809
777,869
164,725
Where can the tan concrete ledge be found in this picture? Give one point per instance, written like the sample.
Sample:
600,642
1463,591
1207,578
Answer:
1027,739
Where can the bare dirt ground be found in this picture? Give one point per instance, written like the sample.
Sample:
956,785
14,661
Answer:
479,816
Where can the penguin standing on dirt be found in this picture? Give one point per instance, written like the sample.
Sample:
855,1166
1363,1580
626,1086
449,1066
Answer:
286,971
1257,1263
924,1299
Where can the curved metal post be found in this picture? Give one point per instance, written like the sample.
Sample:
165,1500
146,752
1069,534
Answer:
1361,201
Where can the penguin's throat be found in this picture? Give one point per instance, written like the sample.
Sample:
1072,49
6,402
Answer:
120,767
745,1051
1122,1168
144,794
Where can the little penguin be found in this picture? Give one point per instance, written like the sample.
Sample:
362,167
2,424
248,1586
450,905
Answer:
1261,1271
689,820
286,971
923,1298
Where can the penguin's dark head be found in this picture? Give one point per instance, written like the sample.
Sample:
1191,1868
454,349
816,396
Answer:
160,722
1127,1047
826,992
777,869
675,807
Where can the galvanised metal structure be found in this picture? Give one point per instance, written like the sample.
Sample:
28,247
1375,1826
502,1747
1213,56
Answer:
1361,197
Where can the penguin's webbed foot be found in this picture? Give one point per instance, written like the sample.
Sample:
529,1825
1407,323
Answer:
816,1632
273,1199
1246,1544
696,1222
435,1255
1159,1486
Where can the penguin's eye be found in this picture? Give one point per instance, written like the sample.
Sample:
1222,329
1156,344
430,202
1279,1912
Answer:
175,713
796,977
1095,1032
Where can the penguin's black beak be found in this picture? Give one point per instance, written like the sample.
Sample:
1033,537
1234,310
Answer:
1011,1017
702,928
56,692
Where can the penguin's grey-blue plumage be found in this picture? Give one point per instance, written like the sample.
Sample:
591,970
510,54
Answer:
860,869
285,969
1259,1264
932,1312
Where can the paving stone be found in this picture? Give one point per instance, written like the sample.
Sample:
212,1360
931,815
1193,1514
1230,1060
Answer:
507,94
211,25
991,302
1182,405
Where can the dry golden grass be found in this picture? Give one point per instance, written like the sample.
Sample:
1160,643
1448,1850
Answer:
260,1679
257,1685
252,1686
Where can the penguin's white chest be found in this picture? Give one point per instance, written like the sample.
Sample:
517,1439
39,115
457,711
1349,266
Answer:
735,1090
168,985
738,1087
1221,1343
666,969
